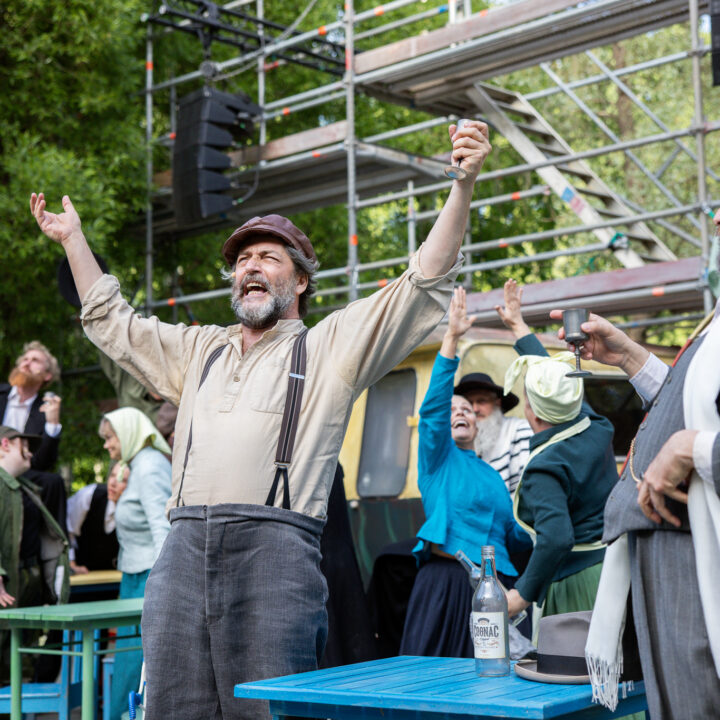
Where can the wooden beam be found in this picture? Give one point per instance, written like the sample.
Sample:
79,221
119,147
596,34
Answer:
289,145
482,23
647,276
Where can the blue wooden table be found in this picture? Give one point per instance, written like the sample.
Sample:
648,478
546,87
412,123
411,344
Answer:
423,688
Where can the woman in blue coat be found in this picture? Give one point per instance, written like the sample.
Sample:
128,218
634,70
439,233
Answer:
466,505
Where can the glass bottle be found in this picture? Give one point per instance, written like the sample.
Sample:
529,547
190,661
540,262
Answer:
475,573
489,620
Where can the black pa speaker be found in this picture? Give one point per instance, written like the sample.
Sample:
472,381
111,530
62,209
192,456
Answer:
209,122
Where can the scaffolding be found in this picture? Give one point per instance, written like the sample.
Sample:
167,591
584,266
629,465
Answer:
445,73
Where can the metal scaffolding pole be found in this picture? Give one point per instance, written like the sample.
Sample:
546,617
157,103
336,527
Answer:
555,160
411,219
260,10
654,322
496,200
575,229
286,110
605,129
700,142
306,95
350,149
315,34
680,146
148,173
620,72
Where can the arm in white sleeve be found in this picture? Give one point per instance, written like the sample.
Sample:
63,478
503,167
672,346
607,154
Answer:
649,379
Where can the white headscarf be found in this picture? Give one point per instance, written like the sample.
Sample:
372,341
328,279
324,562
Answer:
135,430
552,396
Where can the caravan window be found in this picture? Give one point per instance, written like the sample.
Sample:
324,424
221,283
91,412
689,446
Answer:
386,435
616,399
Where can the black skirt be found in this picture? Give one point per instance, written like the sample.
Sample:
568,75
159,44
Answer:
438,616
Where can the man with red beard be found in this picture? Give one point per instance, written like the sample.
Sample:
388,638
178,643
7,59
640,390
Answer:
237,590
23,407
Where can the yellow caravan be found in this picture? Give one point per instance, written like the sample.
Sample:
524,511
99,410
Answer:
379,454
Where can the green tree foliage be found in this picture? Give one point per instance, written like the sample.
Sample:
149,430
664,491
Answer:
71,122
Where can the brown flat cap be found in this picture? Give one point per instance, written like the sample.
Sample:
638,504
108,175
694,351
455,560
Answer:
276,225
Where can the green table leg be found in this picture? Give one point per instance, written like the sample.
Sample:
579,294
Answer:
15,675
88,676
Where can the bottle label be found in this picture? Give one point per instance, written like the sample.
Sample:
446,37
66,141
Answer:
488,634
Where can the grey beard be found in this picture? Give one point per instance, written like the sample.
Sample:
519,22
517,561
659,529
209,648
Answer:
488,432
267,314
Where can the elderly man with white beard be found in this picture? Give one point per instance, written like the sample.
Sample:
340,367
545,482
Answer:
263,407
502,442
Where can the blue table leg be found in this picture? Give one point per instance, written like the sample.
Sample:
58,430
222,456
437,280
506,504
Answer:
88,676
15,675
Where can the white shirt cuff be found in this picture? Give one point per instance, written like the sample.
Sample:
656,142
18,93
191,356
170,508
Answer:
53,429
648,380
702,455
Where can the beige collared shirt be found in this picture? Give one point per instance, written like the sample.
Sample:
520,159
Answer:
236,415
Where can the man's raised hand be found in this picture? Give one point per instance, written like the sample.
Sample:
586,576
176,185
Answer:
607,344
471,145
59,228
511,314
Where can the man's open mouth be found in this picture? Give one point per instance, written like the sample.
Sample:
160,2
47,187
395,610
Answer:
254,287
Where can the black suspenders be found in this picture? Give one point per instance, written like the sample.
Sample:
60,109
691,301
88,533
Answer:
293,401
288,430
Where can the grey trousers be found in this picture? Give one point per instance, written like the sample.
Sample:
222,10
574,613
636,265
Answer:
236,595
677,664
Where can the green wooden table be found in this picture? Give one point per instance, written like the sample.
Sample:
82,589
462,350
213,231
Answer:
83,617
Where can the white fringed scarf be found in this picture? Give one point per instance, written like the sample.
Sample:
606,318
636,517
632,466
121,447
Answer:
603,651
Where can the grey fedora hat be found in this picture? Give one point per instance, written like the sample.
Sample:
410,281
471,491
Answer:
561,650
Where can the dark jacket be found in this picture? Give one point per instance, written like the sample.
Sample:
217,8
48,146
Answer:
53,542
45,455
563,495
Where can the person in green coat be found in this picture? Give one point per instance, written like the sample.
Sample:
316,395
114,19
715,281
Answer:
571,470
26,580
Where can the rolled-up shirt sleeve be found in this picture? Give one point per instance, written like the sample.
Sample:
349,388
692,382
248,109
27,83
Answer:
369,337
648,380
155,353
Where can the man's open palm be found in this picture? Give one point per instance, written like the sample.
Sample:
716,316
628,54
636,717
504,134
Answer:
56,227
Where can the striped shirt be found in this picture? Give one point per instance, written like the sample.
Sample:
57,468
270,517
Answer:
511,451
